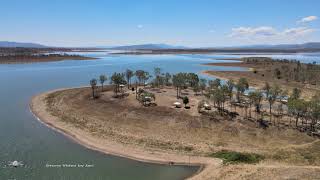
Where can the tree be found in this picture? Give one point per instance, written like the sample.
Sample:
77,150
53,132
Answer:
129,74
157,73
251,97
230,85
272,97
241,87
297,107
203,85
196,89
167,79
315,110
140,75
266,89
225,93
295,93
178,81
93,83
215,84
185,101
192,79
256,97
117,79
102,79
218,98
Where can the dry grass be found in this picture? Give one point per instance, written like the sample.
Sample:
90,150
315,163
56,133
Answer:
288,154
180,130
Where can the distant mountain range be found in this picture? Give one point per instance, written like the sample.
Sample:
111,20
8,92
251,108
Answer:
147,46
305,46
310,45
20,44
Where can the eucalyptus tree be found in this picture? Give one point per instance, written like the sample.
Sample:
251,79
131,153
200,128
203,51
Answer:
157,71
256,98
157,74
241,87
296,93
167,79
178,81
140,75
175,82
93,84
117,79
192,79
267,89
129,74
215,84
273,94
196,89
315,111
225,92
219,98
297,107
251,97
231,85
203,84
102,79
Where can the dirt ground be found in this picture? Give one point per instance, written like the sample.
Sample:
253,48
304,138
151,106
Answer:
288,153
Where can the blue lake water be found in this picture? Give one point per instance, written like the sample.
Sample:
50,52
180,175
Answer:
24,139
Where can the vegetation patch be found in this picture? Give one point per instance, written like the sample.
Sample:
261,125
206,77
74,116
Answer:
237,157
308,154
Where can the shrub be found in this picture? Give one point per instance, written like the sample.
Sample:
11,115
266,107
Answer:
237,157
185,100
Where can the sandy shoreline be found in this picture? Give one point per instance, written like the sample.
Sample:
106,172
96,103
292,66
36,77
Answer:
38,108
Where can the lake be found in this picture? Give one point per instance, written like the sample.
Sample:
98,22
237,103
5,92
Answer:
25,139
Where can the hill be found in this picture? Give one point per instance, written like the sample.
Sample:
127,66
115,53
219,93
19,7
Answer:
9,44
309,45
147,46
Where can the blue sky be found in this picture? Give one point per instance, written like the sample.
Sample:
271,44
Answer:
198,23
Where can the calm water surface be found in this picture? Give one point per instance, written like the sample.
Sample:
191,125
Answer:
23,138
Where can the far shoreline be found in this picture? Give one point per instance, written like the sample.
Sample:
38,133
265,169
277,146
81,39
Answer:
42,59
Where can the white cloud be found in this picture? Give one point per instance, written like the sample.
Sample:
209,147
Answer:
253,31
299,31
307,19
269,32
140,26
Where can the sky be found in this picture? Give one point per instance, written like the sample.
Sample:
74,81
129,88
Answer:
194,23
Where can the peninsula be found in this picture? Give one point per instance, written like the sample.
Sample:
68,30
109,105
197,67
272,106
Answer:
148,122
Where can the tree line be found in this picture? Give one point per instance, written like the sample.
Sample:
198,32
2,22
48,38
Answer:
271,103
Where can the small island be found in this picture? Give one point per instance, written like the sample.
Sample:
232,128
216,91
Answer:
181,119
34,55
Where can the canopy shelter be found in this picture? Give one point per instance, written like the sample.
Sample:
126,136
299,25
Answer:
177,104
